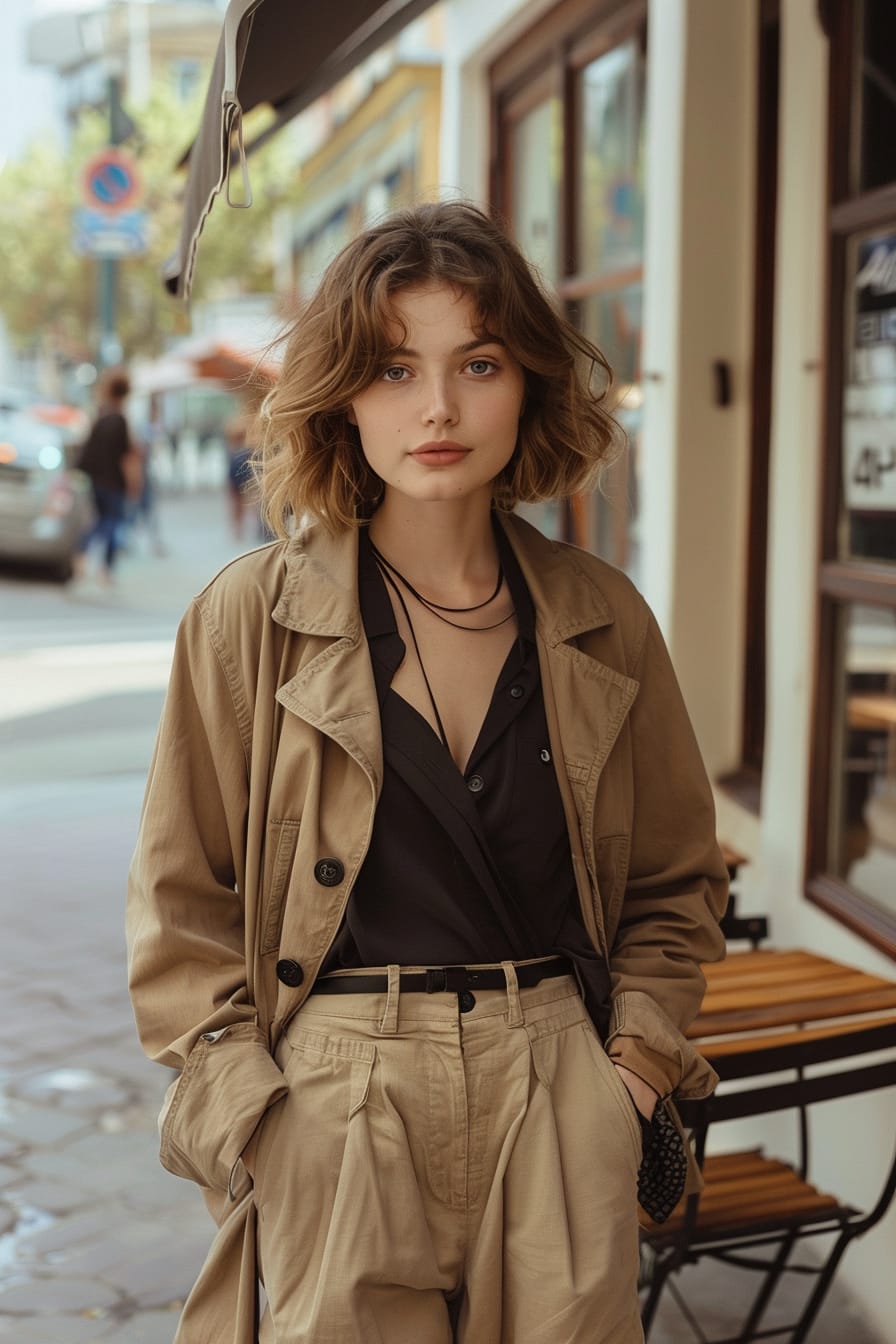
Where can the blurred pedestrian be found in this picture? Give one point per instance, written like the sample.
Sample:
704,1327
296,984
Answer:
114,465
427,864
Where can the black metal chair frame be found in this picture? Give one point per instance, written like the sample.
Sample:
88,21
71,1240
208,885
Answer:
669,1251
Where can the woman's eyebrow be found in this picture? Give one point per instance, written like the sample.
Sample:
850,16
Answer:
485,339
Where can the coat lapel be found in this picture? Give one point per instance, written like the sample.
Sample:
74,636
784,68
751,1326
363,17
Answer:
334,690
592,699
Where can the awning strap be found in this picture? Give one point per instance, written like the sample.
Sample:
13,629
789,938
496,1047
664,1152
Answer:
233,121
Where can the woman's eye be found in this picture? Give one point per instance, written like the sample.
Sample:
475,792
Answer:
481,366
394,374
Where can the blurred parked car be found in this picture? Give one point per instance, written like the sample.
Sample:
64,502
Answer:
44,503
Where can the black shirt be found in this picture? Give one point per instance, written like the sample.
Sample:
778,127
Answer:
474,867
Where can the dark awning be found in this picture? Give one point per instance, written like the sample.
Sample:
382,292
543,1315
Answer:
282,52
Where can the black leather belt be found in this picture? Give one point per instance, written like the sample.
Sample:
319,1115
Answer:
444,979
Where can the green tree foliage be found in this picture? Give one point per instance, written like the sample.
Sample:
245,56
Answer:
49,293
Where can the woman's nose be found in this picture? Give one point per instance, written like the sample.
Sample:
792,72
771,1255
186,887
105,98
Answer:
439,407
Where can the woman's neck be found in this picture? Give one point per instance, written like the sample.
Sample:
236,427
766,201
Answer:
445,548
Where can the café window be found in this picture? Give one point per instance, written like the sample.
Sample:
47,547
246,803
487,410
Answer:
568,118
852,841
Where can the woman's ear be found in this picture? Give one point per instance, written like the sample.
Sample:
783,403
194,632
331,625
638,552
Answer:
351,417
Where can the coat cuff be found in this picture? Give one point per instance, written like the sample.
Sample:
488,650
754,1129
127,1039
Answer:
210,1112
645,1040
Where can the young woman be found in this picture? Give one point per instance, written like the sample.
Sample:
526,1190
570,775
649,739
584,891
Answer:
427,864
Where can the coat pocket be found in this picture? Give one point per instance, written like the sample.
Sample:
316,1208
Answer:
229,1081
282,840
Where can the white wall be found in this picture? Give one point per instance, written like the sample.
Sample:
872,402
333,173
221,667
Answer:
701,120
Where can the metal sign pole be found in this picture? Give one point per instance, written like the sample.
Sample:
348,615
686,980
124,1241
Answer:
110,350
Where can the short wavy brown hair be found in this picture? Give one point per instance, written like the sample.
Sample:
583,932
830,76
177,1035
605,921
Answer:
310,460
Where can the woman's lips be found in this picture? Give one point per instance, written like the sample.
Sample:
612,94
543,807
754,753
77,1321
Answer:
439,454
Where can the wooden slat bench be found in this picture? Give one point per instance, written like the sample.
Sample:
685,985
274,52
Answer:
771,1017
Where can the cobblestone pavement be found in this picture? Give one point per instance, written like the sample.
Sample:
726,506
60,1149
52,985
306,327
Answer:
97,1241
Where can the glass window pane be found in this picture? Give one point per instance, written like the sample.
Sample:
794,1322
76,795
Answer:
547,515
612,320
863,816
877,81
868,514
535,177
611,162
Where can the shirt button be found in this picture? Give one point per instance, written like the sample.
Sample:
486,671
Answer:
516,692
475,783
290,973
466,1000
545,754
329,872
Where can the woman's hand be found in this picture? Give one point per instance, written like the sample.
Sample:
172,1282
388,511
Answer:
642,1094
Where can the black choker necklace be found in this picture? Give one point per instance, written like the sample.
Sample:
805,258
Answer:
436,608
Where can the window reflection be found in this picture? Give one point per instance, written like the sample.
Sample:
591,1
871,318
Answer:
613,321
536,174
863,834
611,182
877,68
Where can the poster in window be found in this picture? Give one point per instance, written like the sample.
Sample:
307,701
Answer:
869,428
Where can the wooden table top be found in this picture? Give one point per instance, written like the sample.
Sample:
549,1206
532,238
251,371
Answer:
761,999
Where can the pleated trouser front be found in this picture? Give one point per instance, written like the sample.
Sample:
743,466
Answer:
438,1176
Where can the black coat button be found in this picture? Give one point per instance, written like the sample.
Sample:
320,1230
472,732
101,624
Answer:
329,872
475,783
290,973
516,692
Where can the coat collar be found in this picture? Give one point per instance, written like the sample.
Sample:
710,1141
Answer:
320,591
567,600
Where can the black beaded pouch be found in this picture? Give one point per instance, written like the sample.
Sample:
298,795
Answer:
664,1164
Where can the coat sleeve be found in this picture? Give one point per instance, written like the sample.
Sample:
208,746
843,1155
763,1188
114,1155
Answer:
676,889
185,924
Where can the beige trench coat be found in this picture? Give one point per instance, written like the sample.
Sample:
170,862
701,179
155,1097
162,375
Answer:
269,761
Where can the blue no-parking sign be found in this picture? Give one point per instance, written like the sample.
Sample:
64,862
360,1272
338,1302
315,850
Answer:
108,225
111,180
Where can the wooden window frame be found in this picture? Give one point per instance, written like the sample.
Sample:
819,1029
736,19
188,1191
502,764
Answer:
744,783
841,581
551,54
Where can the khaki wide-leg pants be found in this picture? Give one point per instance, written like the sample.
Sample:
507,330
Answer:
436,1175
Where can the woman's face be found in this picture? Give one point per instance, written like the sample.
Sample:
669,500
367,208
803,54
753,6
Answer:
441,421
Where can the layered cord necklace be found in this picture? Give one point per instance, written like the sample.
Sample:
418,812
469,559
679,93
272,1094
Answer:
390,574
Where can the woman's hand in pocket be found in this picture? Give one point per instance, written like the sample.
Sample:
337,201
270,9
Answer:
641,1093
